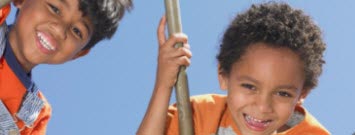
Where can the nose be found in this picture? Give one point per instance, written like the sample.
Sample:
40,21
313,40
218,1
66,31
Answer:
59,29
264,103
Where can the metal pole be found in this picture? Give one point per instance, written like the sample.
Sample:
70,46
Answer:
4,2
172,9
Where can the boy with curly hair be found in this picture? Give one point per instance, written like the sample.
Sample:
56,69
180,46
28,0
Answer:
270,59
46,32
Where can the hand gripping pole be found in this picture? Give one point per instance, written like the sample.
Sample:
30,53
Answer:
172,10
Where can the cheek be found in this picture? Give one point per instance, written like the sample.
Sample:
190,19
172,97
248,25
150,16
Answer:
70,48
73,43
285,111
237,100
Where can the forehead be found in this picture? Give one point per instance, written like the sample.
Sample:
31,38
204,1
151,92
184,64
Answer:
78,10
263,52
73,6
263,60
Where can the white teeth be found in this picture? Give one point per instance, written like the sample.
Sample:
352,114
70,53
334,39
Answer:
45,43
256,120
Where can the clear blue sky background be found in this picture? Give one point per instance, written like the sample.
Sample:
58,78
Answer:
107,92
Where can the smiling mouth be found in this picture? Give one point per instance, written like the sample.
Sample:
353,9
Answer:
256,124
45,43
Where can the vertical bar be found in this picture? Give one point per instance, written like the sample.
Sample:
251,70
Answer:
172,9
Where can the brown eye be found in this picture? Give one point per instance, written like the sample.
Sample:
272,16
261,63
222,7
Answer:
77,32
54,9
248,86
284,94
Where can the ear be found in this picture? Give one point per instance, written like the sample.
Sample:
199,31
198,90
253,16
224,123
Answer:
223,79
303,96
18,3
81,54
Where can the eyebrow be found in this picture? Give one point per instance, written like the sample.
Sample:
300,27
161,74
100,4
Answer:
248,79
65,3
288,87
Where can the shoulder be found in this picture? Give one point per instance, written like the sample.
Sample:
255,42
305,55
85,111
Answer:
309,125
205,102
208,101
207,111
208,98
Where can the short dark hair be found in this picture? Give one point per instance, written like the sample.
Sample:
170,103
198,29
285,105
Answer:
277,25
105,16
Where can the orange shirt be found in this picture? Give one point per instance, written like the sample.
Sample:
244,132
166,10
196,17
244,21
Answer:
12,92
211,116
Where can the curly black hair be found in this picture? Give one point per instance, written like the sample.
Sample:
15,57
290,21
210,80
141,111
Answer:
277,25
105,16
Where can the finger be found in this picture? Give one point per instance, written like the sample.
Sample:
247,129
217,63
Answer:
183,52
183,61
176,38
187,52
187,46
161,31
177,52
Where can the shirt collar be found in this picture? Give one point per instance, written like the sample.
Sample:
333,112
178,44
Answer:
14,64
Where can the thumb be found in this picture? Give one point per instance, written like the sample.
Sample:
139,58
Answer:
161,31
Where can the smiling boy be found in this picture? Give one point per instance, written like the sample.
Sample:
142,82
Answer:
270,59
46,32
264,87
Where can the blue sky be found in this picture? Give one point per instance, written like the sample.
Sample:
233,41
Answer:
107,92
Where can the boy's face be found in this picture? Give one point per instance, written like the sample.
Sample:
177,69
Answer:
49,31
264,87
